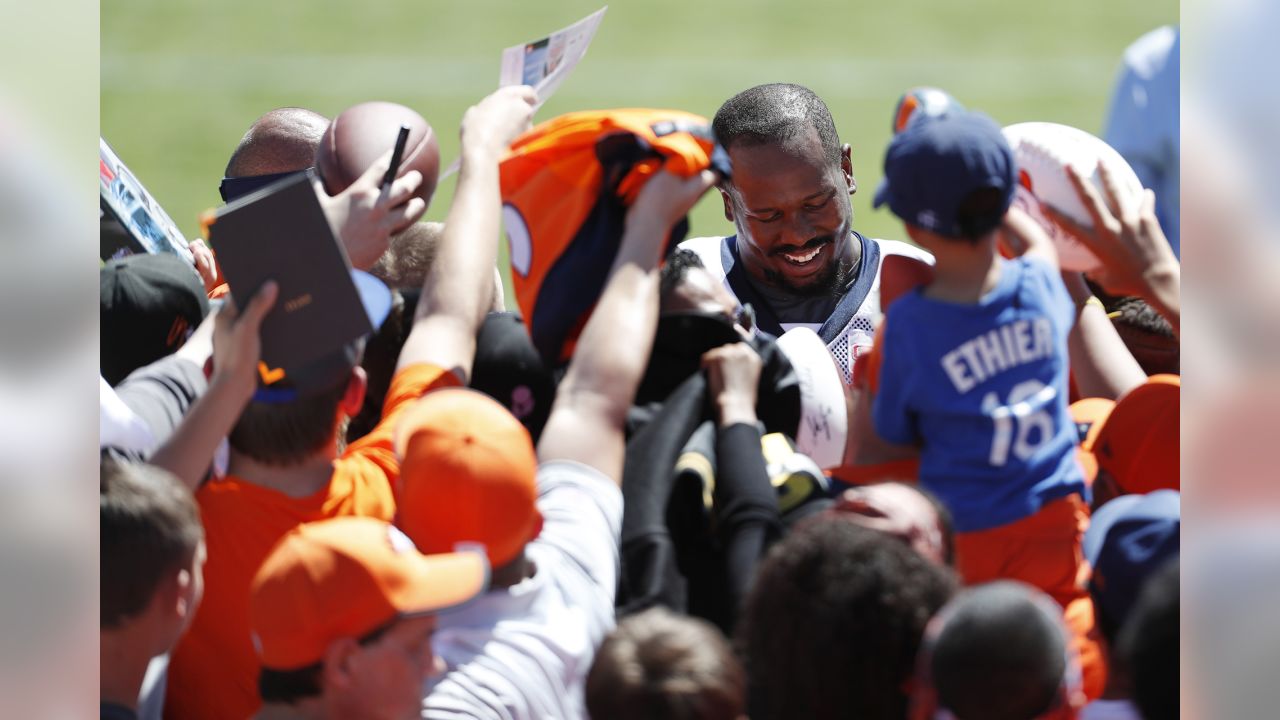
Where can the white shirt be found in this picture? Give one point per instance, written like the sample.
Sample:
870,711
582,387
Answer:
118,426
523,652
861,328
1110,710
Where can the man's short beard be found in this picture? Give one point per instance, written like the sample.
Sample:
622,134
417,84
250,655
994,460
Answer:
831,282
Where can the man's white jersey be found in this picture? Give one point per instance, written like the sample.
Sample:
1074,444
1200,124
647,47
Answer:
859,331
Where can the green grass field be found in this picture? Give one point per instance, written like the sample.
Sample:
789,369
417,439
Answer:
182,80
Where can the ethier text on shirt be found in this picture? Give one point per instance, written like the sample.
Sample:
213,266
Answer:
978,359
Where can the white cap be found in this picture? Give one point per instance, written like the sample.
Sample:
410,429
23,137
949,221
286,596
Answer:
823,417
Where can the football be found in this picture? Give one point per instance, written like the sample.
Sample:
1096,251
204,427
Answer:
1043,152
362,133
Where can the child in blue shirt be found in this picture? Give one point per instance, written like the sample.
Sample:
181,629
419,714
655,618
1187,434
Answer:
972,367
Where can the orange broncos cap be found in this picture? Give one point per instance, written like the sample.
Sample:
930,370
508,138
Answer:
347,577
1090,414
468,473
1137,442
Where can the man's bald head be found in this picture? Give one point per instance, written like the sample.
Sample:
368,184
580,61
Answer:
283,140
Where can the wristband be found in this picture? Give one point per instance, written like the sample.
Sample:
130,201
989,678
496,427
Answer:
1091,300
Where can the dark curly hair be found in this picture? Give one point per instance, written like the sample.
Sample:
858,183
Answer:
677,266
834,621
1149,337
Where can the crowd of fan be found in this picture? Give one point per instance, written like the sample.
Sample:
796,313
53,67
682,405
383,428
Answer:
451,527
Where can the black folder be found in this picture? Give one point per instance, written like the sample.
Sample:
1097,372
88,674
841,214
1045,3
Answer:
281,233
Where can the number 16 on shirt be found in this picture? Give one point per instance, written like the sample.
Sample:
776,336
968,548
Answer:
1022,423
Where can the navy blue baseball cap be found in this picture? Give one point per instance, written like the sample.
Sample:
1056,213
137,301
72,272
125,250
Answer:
1128,539
932,166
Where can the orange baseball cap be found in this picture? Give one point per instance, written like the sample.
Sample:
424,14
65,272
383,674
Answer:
1089,415
347,577
1138,442
468,473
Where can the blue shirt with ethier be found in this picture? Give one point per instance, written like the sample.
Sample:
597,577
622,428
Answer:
983,388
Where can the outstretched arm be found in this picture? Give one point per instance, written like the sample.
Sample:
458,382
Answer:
746,504
591,404
458,289
1100,362
236,350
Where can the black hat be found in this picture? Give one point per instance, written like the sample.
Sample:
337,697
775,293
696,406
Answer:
149,305
509,369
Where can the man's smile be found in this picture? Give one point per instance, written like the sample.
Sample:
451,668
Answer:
807,256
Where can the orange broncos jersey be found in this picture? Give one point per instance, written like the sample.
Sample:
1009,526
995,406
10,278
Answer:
566,186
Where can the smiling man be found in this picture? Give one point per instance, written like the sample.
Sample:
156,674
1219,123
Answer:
796,257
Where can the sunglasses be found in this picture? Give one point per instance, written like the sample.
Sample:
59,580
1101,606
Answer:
237,187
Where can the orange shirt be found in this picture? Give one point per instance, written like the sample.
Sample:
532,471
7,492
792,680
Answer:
213,672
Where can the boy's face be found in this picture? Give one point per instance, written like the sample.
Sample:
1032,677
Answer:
178,599
197,585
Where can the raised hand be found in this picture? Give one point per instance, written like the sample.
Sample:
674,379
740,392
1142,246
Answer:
237,346
733,374
457,290
365,216
498,119
1125,235
202,258
666,198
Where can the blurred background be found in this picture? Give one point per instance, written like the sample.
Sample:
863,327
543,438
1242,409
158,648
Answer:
183,80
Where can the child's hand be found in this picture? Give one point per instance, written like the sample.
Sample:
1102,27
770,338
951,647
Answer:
1021,235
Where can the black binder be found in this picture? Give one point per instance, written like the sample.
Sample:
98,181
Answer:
281,233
